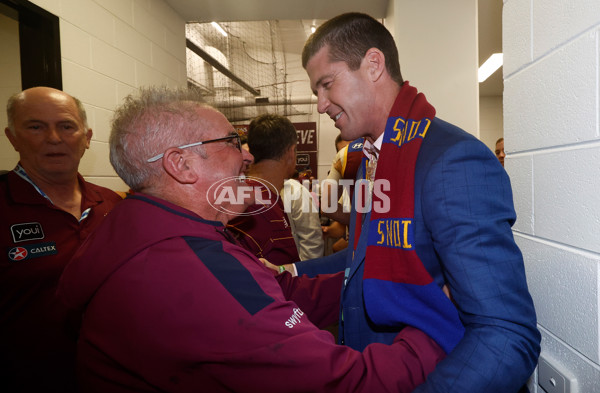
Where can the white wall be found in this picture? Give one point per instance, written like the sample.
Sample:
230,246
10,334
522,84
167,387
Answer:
109,48
551,130
327,135
438,47
491,124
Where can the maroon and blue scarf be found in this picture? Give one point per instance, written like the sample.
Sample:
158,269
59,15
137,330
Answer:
397,287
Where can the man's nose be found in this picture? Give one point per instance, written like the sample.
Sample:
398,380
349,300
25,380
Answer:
52,135
322,103
247,157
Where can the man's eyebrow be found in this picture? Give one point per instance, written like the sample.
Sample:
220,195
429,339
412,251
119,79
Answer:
30,122
317,84
320,80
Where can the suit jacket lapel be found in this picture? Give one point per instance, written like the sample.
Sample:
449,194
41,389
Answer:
357,258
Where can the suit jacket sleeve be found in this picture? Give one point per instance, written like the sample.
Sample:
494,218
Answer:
326,265
467,211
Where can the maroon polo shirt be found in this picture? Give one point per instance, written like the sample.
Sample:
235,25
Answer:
266,234
37,240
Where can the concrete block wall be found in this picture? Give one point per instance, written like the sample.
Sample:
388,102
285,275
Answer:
109,48
552,139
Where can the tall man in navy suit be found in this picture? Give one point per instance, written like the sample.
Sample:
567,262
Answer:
447,224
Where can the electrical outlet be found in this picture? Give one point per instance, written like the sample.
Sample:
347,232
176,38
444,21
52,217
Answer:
554,379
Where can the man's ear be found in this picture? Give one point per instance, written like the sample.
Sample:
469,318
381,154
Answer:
291,153
375,62
11,137
88,137
178,166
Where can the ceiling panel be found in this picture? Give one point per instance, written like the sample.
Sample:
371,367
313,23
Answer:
245,10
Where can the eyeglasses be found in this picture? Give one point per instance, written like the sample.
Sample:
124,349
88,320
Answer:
238,145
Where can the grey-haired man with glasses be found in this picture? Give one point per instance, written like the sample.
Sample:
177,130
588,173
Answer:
173,304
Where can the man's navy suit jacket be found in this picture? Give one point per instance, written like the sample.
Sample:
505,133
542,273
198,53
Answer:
463,217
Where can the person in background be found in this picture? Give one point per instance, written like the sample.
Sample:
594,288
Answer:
500,150
340,143
303,215
176,305
264,228
439,214
344,167
47,210
333,189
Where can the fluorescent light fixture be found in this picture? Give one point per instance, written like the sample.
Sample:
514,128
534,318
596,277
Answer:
490,66
313,26
219,28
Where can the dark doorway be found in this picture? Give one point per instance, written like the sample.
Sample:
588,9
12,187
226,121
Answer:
39,38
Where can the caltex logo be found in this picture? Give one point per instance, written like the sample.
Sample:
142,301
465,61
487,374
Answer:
17,254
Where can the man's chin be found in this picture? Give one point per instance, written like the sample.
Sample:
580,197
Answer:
233,211
58,169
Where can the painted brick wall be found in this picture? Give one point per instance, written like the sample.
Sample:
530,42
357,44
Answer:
551,120
109,48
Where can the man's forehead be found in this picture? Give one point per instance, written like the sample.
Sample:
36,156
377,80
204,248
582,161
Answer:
47,98
215,122
320,67
46,109
228,131
62,108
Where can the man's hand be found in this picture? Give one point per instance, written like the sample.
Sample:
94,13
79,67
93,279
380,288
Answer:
279,269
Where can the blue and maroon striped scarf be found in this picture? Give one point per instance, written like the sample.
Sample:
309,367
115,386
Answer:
398,290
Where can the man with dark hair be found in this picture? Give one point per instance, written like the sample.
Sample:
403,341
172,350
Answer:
47,210
270,137
264,229
439,214
173,304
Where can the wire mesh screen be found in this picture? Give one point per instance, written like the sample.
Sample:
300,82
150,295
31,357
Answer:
242,71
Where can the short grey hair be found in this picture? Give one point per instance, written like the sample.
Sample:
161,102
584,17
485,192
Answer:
149,122
18,98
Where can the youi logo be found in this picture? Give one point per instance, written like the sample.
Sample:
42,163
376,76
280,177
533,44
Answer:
233,194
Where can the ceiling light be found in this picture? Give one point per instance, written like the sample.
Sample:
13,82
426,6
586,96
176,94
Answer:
219,28
490,66
313,28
